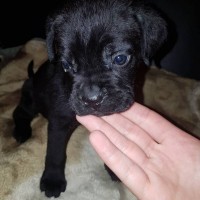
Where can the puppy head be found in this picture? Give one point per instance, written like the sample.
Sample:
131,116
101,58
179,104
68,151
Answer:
99,44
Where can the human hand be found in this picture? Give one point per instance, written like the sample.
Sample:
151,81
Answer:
152,157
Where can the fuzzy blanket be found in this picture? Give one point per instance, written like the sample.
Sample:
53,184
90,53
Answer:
21,166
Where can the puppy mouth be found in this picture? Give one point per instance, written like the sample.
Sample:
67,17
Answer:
98,113
102,108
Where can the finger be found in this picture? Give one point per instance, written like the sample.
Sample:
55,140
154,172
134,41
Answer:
128,147
153,123
131,131
128,171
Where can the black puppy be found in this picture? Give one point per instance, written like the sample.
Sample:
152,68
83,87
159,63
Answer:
94,48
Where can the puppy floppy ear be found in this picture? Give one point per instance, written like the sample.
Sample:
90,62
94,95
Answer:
154,30
51,24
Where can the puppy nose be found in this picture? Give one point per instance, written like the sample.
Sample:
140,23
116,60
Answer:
92,95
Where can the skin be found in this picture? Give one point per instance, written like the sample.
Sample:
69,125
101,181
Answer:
152,157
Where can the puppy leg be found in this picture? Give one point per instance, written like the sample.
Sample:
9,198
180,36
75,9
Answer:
24,113
53,180
113,176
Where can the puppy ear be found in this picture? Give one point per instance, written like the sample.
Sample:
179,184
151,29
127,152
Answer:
154,30
50,35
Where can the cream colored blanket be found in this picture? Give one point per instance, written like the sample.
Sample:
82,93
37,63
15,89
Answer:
21,166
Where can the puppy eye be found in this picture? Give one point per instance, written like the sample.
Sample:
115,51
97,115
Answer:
68,67
120,59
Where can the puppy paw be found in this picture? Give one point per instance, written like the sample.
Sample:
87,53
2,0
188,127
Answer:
113,176
52,184
21,134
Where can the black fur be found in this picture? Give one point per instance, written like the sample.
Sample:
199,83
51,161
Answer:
94,48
